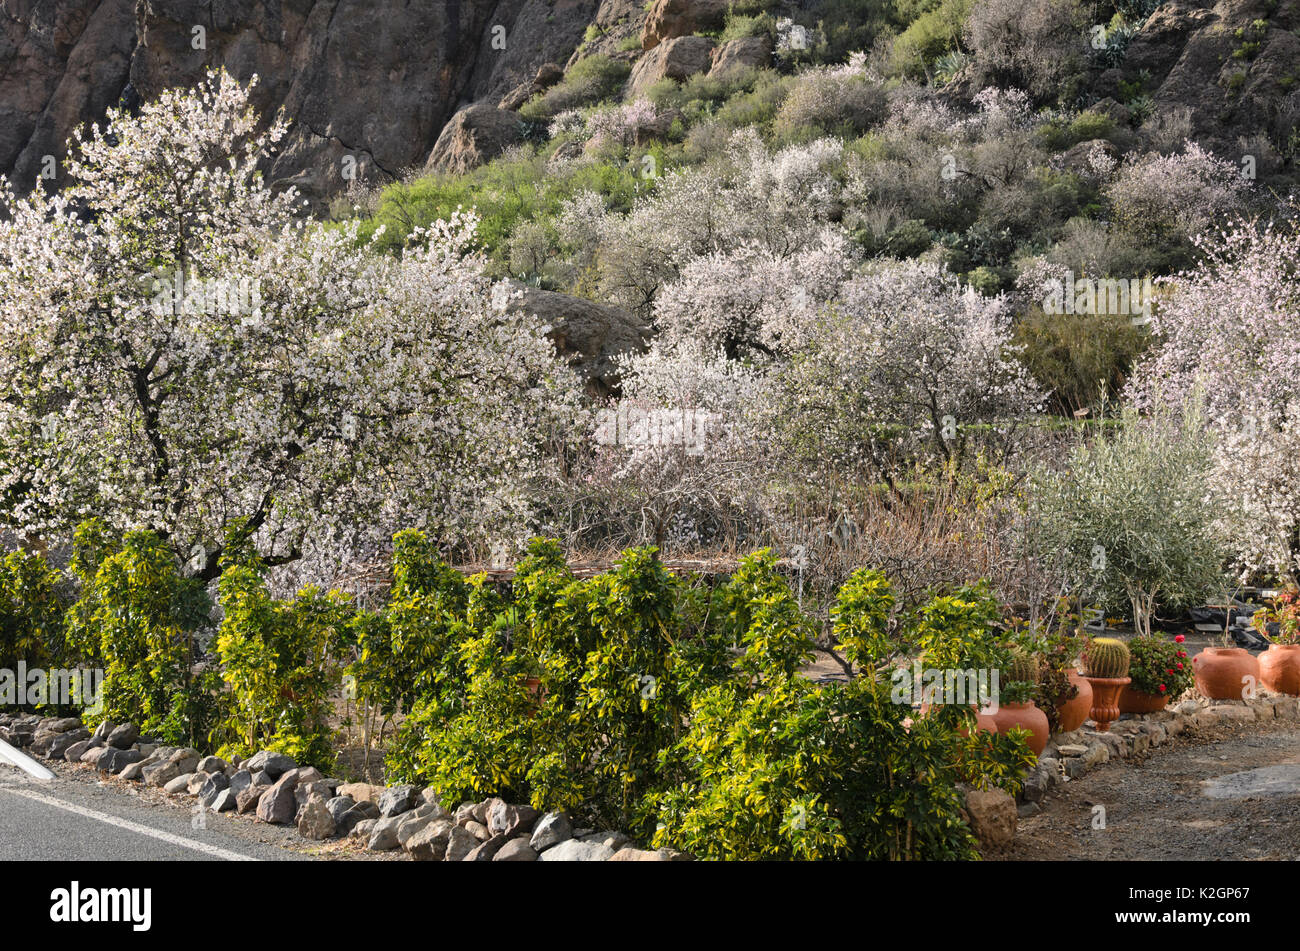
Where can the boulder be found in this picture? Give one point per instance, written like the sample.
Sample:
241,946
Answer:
74,752
551,829
114,760
247,801
272,763
278,804
668,19
315,820
993,816
460,843
212,764
241,781
575,850
678,59
383,835
486,851
62,742
430,843
93,755
361,792
339,806
516,850
474,136
124,737
347,822
62,725
508,820
629,854
736,56
178,784
213,786
588,335
397,799
225,801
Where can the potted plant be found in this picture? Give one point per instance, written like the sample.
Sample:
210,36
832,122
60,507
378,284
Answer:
1225,673
1063,695
1105,666
1279,666
1018,682
1158,669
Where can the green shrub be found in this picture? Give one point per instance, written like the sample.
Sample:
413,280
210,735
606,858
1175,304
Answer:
402,652
776,767
280,659
930,36
739,26
622,700
759,106
908,239
590,80
137,616
1083,360
828,102
31,612
505,193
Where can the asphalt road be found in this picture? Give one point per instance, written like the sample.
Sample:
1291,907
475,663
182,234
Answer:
71,820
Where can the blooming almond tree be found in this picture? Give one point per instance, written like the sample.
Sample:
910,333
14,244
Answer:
906,364
180,351
1229,339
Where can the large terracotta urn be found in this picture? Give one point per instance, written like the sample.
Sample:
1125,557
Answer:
1105,700
1071,714
1139,701
1222,672
1026,716
1279,668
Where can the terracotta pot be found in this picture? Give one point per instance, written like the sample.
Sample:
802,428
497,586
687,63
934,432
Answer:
1221,672
1026,716
1105,700
1137,701
1279,668
1071,714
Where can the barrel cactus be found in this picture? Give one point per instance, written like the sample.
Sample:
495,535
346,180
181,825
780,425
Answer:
1022,667
1106,657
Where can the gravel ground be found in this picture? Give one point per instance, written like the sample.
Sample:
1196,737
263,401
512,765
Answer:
1157,808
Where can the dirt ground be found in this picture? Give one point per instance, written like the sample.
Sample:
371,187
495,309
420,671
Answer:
1157,808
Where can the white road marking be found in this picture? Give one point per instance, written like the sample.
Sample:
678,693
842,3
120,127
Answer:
24,762
130,826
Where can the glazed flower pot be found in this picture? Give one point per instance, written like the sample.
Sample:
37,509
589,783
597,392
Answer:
1221,672
1071,714
1279,668
1138,701
1105,700
1026,716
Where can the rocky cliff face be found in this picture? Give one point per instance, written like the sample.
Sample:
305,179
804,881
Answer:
369,84
1229,70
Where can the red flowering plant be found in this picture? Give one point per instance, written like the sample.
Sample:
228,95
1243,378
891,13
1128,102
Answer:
1280,621
1159,667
